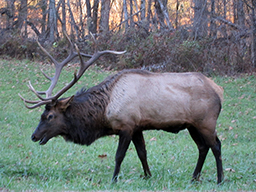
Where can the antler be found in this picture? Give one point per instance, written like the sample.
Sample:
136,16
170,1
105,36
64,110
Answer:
58,67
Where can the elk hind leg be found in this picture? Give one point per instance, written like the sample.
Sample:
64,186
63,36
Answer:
203,151
216,150
211,140
139,143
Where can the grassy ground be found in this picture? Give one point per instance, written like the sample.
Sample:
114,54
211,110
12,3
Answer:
61,166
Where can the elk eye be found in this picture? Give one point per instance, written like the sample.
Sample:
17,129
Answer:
50,117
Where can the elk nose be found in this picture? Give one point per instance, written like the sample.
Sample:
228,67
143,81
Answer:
33,138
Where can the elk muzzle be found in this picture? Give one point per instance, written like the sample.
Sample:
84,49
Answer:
42,136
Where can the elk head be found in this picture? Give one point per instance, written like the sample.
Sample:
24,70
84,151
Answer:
43,131
52,121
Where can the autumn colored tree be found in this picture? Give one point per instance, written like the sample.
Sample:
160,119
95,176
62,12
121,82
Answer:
232,22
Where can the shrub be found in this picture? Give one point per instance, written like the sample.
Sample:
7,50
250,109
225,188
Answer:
172,51
18,47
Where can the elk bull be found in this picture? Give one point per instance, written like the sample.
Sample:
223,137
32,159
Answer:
130,102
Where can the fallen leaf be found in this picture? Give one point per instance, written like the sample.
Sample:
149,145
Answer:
153,139
230,128
236,135
102,156
20,145
230,170
222,138
241,96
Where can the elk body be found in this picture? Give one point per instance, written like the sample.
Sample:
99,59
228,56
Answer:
130,102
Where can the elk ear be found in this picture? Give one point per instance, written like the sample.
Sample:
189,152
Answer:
64,104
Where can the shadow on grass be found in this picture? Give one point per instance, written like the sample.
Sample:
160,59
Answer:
19,171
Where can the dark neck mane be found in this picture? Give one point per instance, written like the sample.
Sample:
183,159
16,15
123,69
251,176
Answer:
85,117
86,114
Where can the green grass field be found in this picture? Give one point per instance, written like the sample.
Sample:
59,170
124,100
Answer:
61,166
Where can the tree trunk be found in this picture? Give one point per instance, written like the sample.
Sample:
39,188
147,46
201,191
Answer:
10,11
64,22
43,23
88,8
143,8
94,23
125,15
136,7
22,17
177,14
81,25
52,21
162,14
224,28
253,46
104,17
240,13
149,13
89,14
213,31
200,19
73,23
131,12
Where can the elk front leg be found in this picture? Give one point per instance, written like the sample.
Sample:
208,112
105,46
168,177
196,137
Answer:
124,142
139,143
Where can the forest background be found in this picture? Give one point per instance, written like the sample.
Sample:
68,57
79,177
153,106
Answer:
211,36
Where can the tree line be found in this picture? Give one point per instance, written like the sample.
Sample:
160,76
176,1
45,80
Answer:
232,21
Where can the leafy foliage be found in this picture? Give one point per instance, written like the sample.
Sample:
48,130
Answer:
60,166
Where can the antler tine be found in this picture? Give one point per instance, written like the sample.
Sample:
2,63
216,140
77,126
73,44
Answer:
85,65
81,60
28,101
93,38
94,58
94,41
46,76
36,93
82,69
64,89
72,49
46,52
37,103
59,66
70,42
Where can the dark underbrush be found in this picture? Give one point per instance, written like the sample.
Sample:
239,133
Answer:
172,51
